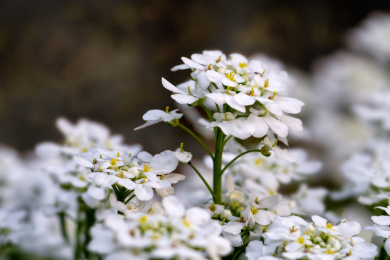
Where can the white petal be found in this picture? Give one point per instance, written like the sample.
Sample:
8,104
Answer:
192,63
171,87
244,99
228,82
203,81
387,246
180,67
184,99
218,98
264,100
274,108
145,156
164,162
285,155
154,114
277,126
232,103
233,227
173,207
319,221
117,204
261,127
381,220
174,177
349,229
143,192
293,123
239,128
294,246
262,217
83,162
96,193
289,105
214,76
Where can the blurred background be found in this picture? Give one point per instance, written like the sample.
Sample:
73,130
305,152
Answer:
104,59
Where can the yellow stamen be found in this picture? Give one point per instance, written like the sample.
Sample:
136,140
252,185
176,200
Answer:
230,76
262,74
225,117
186,223
167,109
273,95
271,192
118,154
329,225
99,170
144,218
254,210
252,92
189,90
301,240
146,168
266,110
162,177
227,90
94,161
209,67
223,222
101,157
121,175
219,59
266,83
130,155
181,147
113,161
276,141
242,65
351,241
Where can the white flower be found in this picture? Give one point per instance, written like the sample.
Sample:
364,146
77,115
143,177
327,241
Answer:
181,155
281,153
171,231
156,116
230,125
184,96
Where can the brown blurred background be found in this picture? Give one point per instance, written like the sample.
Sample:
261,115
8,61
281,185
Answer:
104,59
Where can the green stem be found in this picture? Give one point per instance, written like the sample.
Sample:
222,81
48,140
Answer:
203,179
127,201
196,138
238,156
227,140
79,228
209,114
62,218
89,222
217,176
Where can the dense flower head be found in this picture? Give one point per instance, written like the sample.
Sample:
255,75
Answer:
139,174
167,231
294,238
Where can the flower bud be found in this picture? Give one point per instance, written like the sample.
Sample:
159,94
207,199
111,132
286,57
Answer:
225,214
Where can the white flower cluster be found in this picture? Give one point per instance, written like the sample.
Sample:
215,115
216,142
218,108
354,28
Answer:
246,96
167,232
294,238
139,174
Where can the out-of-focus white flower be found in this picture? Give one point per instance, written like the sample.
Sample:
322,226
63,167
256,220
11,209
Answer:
293,238
381,227
372,36
172,232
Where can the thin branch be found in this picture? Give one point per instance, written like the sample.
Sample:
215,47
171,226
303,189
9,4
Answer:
238,156
205,182
196,138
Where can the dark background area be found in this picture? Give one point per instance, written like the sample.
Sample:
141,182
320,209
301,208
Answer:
104,59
